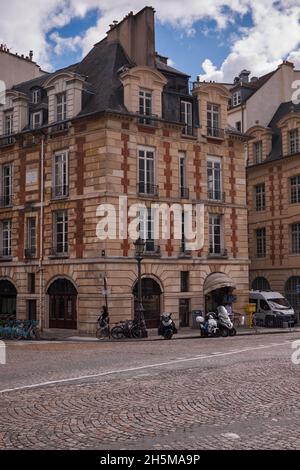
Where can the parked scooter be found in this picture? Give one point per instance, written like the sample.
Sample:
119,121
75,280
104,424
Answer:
208,325
167,326
224,323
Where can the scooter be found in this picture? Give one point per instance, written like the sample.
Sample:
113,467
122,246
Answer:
167,326
208,325
224,323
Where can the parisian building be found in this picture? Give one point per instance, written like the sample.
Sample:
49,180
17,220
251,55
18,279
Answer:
122,122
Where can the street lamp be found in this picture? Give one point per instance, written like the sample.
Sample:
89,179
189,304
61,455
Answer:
139,246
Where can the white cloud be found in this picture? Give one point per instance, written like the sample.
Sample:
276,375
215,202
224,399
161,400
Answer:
274,35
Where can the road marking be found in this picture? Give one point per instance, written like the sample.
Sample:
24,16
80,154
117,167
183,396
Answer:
231,435
148,366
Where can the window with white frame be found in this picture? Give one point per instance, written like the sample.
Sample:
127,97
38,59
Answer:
236,98
145,105
6,185
260,242
36,119
260,197
61,232
293,141
61,106
146,171
5,237
31,236
60,175
182,176
8,123
295,232
215,234
213,120
295,189
214,178
257,151
186,112
36,95
146,229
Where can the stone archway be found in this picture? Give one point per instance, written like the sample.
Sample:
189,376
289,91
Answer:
62,304
151,299
8,298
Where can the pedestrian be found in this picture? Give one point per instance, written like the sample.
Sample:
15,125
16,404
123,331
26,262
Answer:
104,317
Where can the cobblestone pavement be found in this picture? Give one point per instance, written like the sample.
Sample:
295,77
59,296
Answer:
219,393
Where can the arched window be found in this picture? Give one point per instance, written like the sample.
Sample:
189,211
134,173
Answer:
261,283
62,286
291,291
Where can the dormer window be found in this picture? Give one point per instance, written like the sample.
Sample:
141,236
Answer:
36,119
36,95
257,152
236,98
213,120
61,106
293,141
186,117
145,105
8,123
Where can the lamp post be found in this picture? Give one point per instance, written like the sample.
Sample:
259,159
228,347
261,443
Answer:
139,246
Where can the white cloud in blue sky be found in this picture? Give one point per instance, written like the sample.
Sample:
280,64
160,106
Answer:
217,37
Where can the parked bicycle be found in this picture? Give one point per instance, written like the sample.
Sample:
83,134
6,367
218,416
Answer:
10,328
126,329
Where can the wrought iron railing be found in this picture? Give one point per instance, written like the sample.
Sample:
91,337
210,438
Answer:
215,132
184,193
6,201
147,189
216,195
60,192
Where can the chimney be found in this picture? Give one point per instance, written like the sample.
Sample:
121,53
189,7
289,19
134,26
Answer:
244,76
30,55
135,33
254,79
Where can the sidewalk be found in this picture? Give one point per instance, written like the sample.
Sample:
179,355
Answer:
183,333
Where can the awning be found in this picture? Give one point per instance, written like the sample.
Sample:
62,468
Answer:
217,281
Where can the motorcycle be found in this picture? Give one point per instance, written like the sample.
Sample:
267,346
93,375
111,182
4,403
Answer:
167,326
224,323
208,325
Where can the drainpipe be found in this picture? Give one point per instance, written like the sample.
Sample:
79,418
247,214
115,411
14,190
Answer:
41,233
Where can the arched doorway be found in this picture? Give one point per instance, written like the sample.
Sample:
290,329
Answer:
261,283
8,298
62,304
218,290
291,292
151,296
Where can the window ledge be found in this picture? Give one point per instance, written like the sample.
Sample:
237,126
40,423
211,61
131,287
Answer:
58,256
5,258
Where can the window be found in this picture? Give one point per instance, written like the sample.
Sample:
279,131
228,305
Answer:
213,120
184,281
260,199
36,95
293,141
31,309
61,107
145,105
186,117
36,119
214,179
260,283
182,244
295,189
61,232
6,185
31,237
146,171
257,152
60,175
291,292
295,232
8,123
261,243
236,98
184,192
238,126
6,237
146,228
215,234
31,283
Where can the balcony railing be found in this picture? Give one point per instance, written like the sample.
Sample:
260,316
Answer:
30,252
152,248
60,192
7,140
190,131
147,119
59,127
214,195
215,132
59,252
6,201
184,193
218,253
147,189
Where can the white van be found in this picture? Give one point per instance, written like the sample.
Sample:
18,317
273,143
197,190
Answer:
272,309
